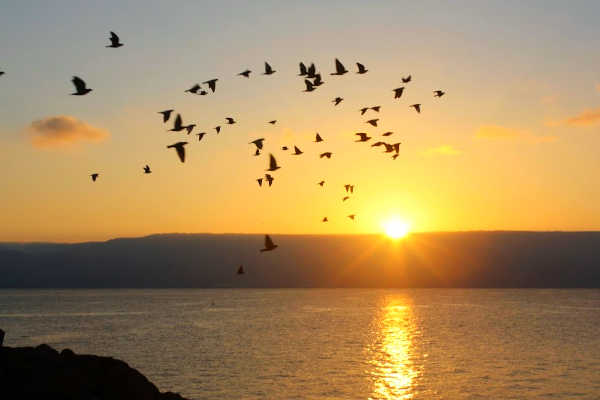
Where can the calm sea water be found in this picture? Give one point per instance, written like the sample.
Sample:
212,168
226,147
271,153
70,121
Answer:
329,344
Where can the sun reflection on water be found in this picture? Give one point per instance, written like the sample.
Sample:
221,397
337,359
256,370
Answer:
392,371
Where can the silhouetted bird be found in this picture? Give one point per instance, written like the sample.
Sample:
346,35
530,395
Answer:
212,84
94,177
269,179
406,79
318,138
177,124
268,69
387,133
240,270
321,183
398,92
80,87
258,143
269,245
114,41
337,101
378,144
230,120
347,187
373,122
194,89
438,93
363,137
394,156
180,149
361,68
309,86
324,219
345,198
311,71
284,148
363,110
218,129
200,135
245,73
388,147
297,151
147,169
190,128
273,122
259,180
326,154
318,80
417,107
166,114
302,69
339,68
351,216
376,108
272,163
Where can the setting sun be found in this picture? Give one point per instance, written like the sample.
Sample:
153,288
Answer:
396,229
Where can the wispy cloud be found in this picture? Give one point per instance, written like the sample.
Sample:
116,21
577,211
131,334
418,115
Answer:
443,150
63,131
585,118
497,132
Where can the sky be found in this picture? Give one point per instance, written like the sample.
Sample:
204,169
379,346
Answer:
513,145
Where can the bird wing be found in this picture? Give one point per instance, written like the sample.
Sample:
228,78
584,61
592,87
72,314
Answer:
361,67
268,242
113,37
339,67
177,123
318,138
311,69
302,69
362,135
272,162
79,84
297,150
309,85
268,68
180,151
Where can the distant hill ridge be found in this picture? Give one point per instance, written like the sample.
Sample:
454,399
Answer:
444,259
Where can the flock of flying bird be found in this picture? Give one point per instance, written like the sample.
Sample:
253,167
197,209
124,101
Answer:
312,80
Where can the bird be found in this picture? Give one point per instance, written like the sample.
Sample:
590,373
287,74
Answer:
373,122
177,124
268,69
218,129
361,68
345,198
351,216
324,219
321,183
397,147
240,270
326,154
257,152
166,114
114,40
318,80
337,101
230,120
398,92
245,73
269,245
378,144
258,143
376,108
297,151
394,156
363,110
1,73
387,133
388,147
302,69
417,107
272,163
147,169
259,180
438,93
347,187
309,86
189,128
80,87
406,79
273,122
363,137
180,149
200,135
284,148
311,71
212,84
339,68
194,89
94,177
269,179
318,138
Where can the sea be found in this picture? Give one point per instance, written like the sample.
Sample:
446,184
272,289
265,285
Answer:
328,343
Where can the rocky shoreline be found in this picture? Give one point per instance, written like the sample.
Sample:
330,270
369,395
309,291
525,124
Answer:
43,373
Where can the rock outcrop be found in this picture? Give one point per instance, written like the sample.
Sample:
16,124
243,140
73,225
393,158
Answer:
42,373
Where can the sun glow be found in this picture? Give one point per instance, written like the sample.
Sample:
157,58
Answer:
396,228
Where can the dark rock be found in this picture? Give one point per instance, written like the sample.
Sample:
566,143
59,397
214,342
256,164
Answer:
43,373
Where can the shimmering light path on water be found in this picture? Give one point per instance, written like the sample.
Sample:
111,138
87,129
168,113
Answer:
333,344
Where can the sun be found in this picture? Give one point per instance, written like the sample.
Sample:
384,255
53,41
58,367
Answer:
396,228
